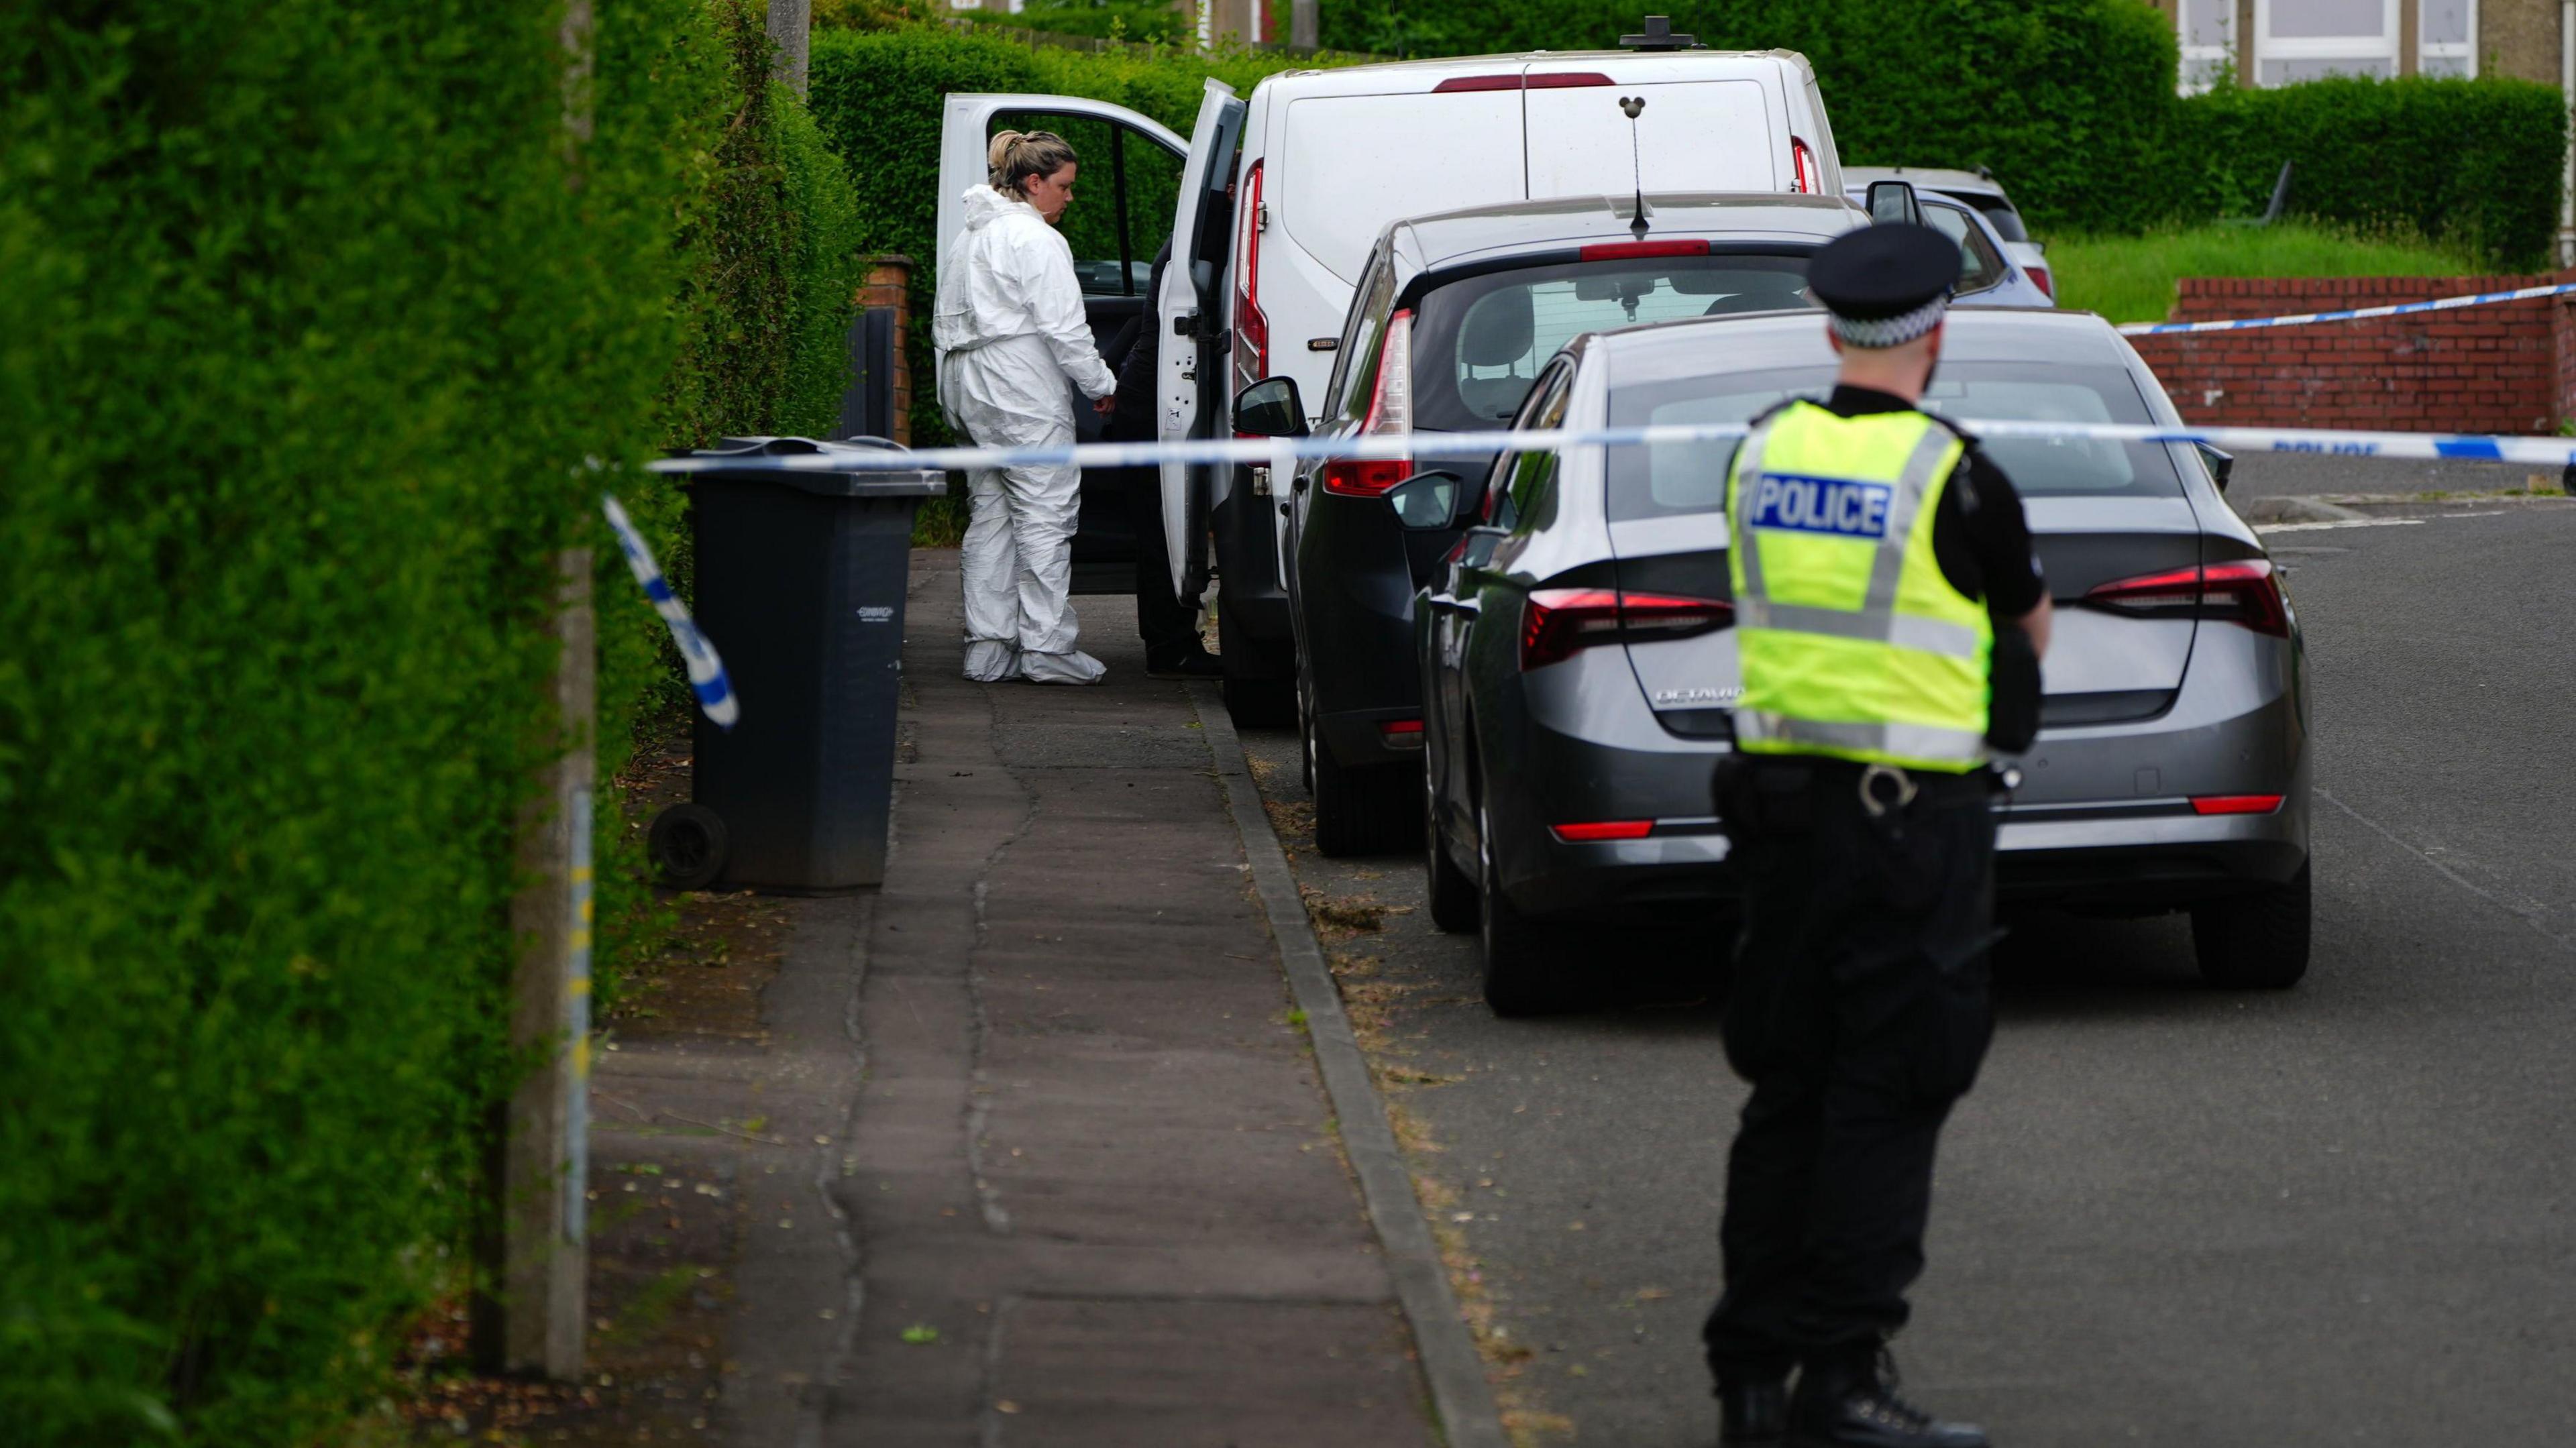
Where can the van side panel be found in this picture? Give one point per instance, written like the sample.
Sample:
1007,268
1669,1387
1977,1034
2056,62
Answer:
1336,174
1348,165
1710,135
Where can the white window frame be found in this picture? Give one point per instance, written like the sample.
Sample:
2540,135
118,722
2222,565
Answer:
2201,58
2306,47
2464,51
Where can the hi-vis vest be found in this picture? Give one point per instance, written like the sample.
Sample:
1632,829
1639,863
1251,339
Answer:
1851,642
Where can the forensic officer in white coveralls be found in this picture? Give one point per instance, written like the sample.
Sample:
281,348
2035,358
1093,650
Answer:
1011,337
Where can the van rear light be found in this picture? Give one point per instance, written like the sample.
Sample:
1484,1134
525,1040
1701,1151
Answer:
1544,80
1803,162
2234,804
1559,621
2040,278
1615,250
1401,733
2244,591
1589,830
1251,327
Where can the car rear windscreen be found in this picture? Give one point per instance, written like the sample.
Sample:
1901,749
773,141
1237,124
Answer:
1479,342
2000,215
1664,480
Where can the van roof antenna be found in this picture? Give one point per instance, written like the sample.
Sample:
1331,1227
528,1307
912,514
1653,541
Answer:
1659,35
1635,106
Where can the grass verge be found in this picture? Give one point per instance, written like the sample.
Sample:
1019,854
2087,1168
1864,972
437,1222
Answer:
2131,278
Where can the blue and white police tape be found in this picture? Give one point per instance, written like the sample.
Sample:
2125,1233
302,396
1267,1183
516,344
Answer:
2354,314
1273,452
706,671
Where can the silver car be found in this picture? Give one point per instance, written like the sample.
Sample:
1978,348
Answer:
1992,271
1579,660
1979,189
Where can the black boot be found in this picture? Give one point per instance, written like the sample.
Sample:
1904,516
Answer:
1849,1401
1752,1412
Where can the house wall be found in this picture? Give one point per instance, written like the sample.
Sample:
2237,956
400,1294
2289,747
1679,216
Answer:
2519,38
2509,368
2516,38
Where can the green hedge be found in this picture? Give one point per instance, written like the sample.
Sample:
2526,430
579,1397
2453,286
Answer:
311,314
2475,164
2072,103
878,96
2066,99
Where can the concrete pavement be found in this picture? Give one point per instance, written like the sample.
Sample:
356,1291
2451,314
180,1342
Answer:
1055,1166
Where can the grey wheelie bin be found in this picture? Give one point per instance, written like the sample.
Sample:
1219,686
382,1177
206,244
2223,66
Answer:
800,587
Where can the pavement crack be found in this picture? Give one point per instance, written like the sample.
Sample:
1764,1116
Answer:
979,1099
845,1228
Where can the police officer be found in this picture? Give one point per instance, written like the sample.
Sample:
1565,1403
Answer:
1889,618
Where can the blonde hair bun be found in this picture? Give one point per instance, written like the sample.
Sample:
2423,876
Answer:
1015,156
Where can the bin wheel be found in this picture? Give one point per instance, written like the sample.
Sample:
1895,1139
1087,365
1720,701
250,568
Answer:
688,846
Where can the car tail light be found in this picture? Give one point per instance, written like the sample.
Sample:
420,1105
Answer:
1565,79
2040,278
2233,804
1373,479
1401,733
1561,620
1390,414
1251,327
1803,162
2244,591
1616,250
1477,83
1587,830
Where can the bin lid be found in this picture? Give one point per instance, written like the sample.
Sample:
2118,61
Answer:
867,481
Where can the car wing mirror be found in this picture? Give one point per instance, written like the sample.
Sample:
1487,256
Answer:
1270,408
1894,201
1476,546
2220,464
1427,501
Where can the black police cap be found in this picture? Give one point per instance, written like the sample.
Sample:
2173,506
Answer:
1883,271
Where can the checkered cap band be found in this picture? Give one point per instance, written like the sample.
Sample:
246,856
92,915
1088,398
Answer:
1893,331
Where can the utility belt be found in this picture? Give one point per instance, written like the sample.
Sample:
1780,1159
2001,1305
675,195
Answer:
1783,792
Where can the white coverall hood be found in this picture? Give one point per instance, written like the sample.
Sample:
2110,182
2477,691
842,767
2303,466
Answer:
1013,347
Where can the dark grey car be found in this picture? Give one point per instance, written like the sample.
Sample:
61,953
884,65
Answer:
1579,660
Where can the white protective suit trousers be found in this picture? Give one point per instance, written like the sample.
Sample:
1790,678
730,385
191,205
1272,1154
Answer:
1018,556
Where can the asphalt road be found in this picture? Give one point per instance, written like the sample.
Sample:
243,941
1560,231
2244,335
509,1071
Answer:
2265,475
2166,1215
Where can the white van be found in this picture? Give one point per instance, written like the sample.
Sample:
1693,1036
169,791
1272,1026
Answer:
1275,200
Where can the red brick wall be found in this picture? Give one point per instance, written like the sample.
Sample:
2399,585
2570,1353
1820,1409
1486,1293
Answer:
889,284
2507,368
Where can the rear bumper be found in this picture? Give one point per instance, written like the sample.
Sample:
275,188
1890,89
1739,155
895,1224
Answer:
2145,861
2077,837
2112,865
1663,875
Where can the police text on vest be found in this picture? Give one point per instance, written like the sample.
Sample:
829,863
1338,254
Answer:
1838,506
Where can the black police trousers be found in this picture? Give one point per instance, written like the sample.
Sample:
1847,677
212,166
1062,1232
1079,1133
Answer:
1859,1011
1168,626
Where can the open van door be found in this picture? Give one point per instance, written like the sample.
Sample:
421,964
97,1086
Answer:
1191,323
1131,175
